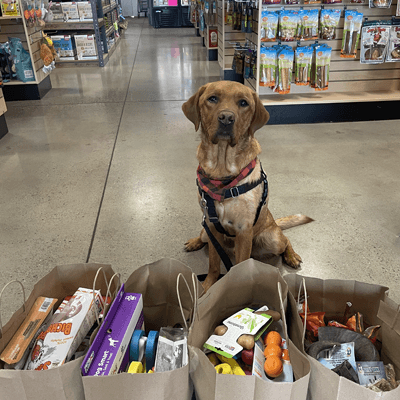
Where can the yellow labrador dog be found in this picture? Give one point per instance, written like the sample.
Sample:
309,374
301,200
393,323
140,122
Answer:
233,190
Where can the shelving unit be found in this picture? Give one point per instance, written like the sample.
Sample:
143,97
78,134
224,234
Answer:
349,80
103,10
227,37
30,37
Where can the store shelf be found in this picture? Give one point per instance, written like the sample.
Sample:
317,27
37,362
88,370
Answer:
110,30
329,98
10,17
11,83
109,8
78,25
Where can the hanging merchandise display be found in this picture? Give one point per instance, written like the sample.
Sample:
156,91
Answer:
308,24
268,65
48,54
271,1
285,69
351,33
269,26
374,42
322,65
288,25
303,60
7,67
229,12
393,53
380,3
249,17
329,21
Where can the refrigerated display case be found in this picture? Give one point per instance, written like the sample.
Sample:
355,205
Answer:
169,13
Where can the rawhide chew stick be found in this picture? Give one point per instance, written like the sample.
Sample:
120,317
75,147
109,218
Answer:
285,64
322,63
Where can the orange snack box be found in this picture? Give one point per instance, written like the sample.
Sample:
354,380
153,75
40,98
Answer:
17,346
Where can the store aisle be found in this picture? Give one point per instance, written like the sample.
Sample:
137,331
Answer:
103,170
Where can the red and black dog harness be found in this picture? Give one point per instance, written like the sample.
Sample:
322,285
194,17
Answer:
220,190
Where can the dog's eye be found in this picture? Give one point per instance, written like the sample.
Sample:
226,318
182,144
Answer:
213,99
243,103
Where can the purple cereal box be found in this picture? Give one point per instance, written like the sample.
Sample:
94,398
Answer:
107,354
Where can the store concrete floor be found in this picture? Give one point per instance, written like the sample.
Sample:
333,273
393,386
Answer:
103,168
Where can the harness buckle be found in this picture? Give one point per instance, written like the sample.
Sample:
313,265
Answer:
234,191
203,205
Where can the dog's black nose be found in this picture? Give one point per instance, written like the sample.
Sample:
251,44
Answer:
226,117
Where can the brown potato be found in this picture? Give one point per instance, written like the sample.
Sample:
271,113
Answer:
246,341
220,330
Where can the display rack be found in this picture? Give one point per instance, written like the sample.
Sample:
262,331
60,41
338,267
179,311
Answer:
227,40
102,28
349,80
142,7
169,13
30,37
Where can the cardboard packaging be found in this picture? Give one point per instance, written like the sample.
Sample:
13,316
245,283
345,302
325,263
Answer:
66,331
85,47
108,353
70,10
65,46
85,10
16,348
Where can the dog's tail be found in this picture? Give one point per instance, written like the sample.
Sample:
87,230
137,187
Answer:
292,221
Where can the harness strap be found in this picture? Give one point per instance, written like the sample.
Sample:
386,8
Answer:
221,252
213,216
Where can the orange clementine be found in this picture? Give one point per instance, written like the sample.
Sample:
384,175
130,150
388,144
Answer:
273,337
273,366
273,350
285,355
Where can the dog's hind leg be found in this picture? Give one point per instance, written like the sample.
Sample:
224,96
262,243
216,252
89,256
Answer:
273,240
196,243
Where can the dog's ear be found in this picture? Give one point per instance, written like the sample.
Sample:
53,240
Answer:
191,108
260,117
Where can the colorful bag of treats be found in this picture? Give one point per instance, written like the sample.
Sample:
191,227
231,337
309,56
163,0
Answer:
285,69
268,62
269,26
329,21
380,3
303,59
271,1
288,25
331,1
351,33
292,1
313,63
374,42
308,24
322,64
312,1
393,53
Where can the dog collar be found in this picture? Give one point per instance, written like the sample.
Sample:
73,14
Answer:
218,189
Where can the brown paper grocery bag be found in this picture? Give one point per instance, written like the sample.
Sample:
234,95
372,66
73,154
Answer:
248,284
65,382
372,301
157,283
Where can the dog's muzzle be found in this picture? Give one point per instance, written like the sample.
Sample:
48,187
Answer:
226,121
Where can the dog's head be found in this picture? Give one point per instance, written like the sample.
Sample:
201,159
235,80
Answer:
226,111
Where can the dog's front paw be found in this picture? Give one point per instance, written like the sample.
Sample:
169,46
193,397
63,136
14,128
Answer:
291,258
194,244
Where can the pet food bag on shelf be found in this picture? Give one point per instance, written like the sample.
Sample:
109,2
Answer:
285,70
303,59
22,61
246,325
268,63
157,355
50,381
329,21
352,338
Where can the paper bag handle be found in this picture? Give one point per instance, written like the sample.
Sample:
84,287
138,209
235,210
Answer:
193,296
283,316
303,285
1,294
102,302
